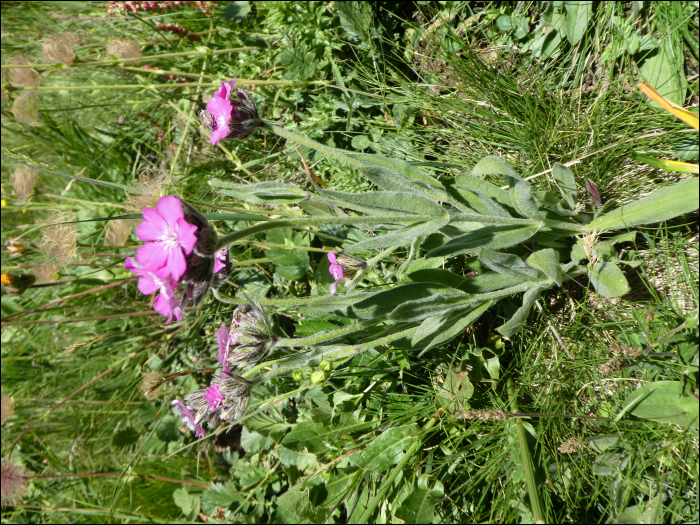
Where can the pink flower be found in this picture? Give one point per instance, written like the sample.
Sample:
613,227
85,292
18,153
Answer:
187,417
226,338
158,281
220,260
168,234
336,271
213,397
220,109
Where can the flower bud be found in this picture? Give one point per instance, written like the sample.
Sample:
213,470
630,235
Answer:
326,366
254,335
16,284
318,377
230,118
297,375
200,261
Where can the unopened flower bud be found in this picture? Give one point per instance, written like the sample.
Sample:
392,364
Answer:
254,337
318,377
297,375
200,261
326,366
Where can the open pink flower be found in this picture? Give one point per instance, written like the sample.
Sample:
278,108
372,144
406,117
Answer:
336,271
220,109
167,235
187,417
220,260
213,397
158,281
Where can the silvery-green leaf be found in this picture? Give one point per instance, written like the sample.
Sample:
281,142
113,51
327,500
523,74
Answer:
507,264
488,282
437,330
666,203
436,304
492,237
608,280
398,202
401,237
522,197
516,323
547,261
437,275
493,166
398,165
578,254
567,183
490,190
262,192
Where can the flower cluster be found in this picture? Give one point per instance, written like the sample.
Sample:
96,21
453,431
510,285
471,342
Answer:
246,340
178,30
227,118
118,8
341,266
180,246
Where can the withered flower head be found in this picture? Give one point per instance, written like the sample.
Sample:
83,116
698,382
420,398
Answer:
226,399
23,180
61,236
254,337
23,76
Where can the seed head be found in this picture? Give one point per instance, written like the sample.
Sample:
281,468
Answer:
12,482
484,415
127,50
60,239
25,76
23,180
60,48
8,407
152,184
46,272
571,445
25,108
117,232
146,386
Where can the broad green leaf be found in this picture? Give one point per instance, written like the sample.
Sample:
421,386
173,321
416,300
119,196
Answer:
578,254
578,15
492,237
492,206
523,200
265,425
220,495
296,501
488,282
291,264
507,264
312,435
168,429
430,306
401,237
380,304
262,192
567,183
332,492
419,507
493,166
400,166
608,280
665,72
662,401
435,331
516,323
390,180
666,203
387,448
437,275
399,202
360,142
475,184
547,261
125,437
182,500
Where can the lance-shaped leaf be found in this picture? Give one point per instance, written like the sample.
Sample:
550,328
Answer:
523,200
547,261
437,304
390,180
493,208
476,184
488,282
437,330
419,507
400,166
436,275
262,192
387,448
608,280
384,302
662,401
666,203
334,490
516,323
403,236
397,202
311,435
492,237
493,166
566,182
507,264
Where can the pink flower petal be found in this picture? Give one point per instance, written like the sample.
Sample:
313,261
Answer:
152,226
186,236
213,397
333,288
331,257
170,209
152,256
220,260
336,271
176,263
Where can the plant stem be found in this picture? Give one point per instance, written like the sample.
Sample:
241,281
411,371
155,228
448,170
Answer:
536,506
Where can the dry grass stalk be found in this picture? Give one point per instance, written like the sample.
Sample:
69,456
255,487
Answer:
147,383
